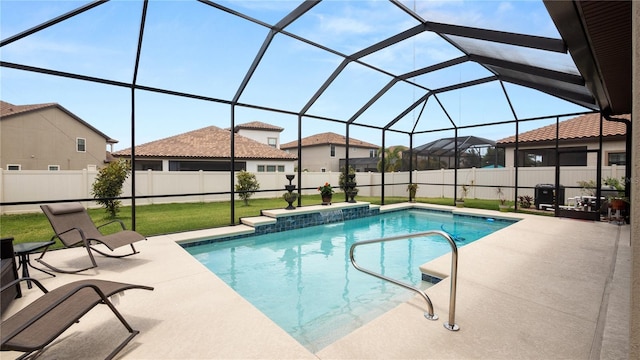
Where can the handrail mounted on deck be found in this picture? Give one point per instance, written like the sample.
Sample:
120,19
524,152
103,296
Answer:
449,325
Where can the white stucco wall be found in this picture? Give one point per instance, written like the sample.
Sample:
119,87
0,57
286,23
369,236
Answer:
261,136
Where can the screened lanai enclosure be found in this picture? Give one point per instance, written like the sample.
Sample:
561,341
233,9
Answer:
460,152
392,73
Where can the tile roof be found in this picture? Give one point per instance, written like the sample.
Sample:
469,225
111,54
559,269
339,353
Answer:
208,142
257,125
328,138
8,110
581,127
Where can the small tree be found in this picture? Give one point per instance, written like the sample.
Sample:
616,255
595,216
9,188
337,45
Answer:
247,185
108,185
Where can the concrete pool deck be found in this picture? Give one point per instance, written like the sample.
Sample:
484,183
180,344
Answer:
544,288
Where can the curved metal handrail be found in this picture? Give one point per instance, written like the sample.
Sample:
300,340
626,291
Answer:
449,325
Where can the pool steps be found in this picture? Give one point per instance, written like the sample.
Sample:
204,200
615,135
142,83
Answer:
276,220
259,221
279,213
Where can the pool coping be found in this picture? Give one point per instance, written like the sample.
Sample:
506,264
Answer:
504,309
541,293
269,220
251,225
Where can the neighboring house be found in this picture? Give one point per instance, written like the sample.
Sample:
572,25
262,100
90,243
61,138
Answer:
322,152
578,142
260,132
209,149
49,137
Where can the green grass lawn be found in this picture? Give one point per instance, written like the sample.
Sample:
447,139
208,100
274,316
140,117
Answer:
170,218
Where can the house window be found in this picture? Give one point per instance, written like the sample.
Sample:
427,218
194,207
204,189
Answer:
270,168
145,165
273,142
81,144
373,153
323,170
54,167
617,158
333,150
14,167
188,165
571,156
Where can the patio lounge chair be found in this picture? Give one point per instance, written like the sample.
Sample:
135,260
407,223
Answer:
73,226
42,321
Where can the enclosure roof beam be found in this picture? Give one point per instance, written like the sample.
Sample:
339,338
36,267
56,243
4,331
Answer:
325,85
373,100
52,22
389,41
466,84
529,69
358,55
582,99
407,110
292,16
295,14
530,41
440,66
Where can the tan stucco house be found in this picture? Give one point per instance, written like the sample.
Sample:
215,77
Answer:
49,137
578,138
322,152
209,149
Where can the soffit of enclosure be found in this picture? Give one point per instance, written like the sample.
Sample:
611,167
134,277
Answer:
405,69
598,34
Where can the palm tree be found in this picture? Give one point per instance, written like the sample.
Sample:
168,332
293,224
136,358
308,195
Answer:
392,159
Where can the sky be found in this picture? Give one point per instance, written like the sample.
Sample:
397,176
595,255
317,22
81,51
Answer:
197,49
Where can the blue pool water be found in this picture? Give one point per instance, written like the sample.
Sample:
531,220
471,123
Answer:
304,281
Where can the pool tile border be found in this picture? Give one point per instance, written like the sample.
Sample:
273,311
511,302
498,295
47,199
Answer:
302,219
274,221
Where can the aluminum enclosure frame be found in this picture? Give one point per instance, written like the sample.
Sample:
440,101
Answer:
568,86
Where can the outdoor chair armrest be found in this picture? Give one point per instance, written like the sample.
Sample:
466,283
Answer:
14,282
84,238
112,221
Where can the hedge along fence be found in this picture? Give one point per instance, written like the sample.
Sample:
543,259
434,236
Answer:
154,187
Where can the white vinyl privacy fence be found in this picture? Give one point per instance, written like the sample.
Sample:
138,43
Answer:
154,187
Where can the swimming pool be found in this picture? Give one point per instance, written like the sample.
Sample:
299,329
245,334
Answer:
304,281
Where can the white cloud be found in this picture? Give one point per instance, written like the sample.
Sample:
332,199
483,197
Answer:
505,7
344,25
